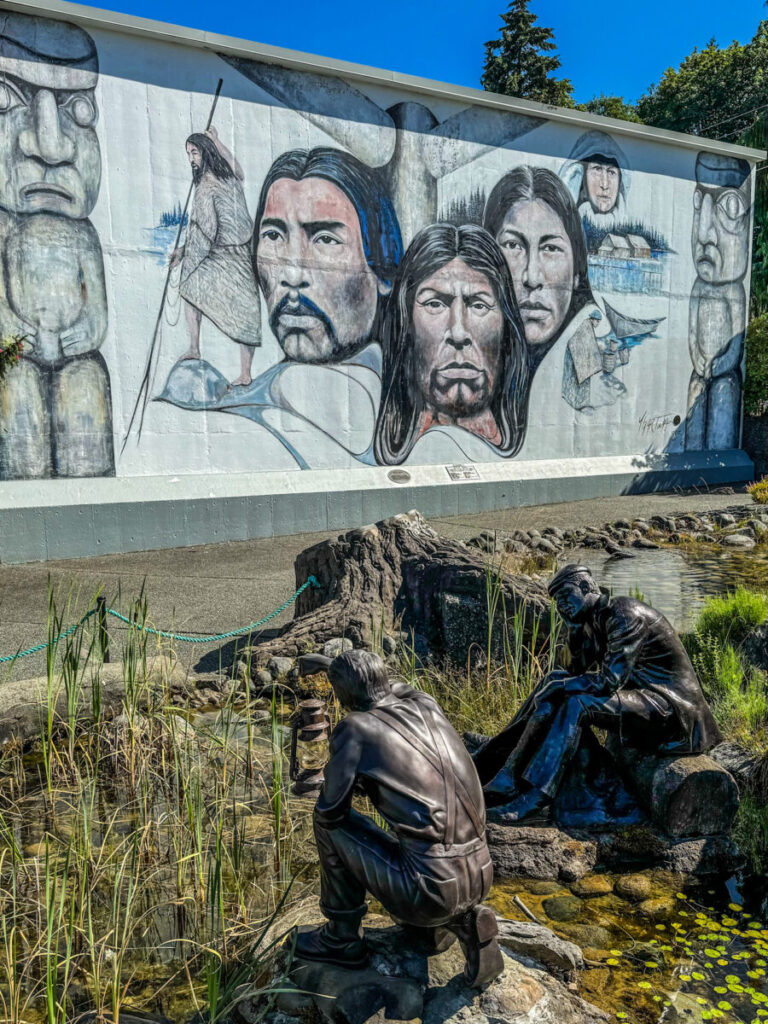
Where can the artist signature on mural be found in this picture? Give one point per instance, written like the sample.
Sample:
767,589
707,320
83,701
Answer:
652,424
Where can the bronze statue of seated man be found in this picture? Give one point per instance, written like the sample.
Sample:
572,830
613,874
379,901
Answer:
629,674
431,869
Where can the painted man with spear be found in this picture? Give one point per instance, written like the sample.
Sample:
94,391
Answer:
216,280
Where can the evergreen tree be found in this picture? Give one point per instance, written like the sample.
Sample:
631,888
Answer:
517,64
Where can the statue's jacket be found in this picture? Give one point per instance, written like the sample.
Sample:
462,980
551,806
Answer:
635,648
404,755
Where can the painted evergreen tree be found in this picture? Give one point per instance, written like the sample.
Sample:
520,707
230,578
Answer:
521,62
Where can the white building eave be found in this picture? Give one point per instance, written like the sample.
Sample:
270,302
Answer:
95,18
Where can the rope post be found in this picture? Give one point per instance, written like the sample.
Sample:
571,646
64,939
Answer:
101,615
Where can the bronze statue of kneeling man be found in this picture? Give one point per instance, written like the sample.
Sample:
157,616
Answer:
431,870
629,674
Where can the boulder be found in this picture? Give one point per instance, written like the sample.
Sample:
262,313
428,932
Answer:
388,645
723,518
664,523
737,759
279,666
685,796
337,645
634,888
644,542
546,853
553,531
545,544
591,886
639,848
404,982
262,677
535,942
737,540
562,908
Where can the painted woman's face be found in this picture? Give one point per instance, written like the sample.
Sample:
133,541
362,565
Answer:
458,332
539,255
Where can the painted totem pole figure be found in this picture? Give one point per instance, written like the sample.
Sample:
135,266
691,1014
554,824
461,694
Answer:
718,311
55,408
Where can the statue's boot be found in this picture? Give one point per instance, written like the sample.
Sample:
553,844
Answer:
339,941
524,805
433,940
477,931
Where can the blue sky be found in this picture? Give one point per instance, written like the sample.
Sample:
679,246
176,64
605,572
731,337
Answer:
617,48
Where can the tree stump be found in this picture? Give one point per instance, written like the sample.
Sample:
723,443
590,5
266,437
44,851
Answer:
399,574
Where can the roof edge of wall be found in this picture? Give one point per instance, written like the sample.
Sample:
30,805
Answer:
94,17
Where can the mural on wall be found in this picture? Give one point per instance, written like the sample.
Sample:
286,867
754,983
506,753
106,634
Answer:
625,255
355,280
718,310
325,250
56,407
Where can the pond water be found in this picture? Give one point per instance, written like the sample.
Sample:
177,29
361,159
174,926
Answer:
655,949
678,580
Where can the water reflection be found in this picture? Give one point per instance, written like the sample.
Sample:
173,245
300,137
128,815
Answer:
678,581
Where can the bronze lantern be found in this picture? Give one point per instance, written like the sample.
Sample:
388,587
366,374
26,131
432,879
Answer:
310,731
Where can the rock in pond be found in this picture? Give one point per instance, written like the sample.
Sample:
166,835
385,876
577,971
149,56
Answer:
562,908
633,887
546,853
592,885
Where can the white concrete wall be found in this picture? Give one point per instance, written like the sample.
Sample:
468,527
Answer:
642,360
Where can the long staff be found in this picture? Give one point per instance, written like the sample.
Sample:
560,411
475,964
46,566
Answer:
143,396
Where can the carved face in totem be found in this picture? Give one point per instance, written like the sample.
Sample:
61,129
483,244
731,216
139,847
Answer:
321,294
458,331
50,158
721,221
539,255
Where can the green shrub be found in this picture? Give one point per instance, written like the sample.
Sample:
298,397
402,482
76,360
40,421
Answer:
759,491
756,367
750,831
731,618
737,692
10,353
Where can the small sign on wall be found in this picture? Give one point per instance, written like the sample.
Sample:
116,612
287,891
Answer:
462,471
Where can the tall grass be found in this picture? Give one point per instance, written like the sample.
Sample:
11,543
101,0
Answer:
520,648
736,690
134,873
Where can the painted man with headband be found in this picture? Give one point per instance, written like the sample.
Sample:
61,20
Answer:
325,248
629,674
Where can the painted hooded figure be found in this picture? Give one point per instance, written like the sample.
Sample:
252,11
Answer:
597,177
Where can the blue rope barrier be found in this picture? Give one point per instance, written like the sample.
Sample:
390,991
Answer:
166,634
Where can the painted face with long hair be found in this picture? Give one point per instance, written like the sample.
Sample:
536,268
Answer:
532,216
458,331
453,345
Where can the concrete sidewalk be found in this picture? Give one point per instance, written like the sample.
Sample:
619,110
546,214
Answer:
220,587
